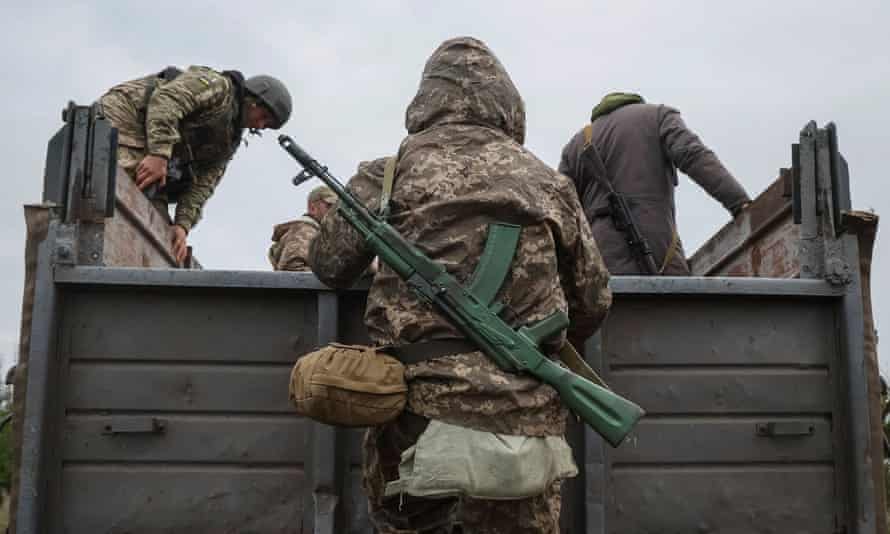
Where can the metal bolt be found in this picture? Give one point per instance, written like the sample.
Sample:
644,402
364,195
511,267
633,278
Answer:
95,255
63,252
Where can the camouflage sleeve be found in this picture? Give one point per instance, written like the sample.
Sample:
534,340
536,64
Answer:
274,254
190,204
196,88
339,255
294,251
583,274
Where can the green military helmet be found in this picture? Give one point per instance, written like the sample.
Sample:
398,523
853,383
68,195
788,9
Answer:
273,94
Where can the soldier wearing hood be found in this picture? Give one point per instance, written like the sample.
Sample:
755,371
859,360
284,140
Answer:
291,240
461,167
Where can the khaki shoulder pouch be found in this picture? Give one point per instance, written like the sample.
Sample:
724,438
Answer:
348,385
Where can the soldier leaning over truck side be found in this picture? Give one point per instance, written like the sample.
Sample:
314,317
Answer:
291,240
638,148
179,129
461,167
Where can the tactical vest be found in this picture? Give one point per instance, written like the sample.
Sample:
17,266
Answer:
209,137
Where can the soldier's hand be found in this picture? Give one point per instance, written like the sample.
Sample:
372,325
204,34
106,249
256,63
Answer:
742,207
150,170
180,247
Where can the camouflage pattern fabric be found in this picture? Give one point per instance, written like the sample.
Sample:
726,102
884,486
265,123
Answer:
382,449
462,167
195,117
290,244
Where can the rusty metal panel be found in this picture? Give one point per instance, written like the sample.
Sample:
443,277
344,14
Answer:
180,499
139,235
723,500
761,241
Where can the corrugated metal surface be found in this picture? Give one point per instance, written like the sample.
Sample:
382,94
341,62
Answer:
157,399
711,372
231,456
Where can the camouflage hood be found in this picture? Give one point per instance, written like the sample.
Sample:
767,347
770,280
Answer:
464,83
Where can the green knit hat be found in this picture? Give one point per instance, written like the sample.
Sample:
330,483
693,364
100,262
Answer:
613,101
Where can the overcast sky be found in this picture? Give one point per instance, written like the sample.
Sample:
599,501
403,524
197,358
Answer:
746,75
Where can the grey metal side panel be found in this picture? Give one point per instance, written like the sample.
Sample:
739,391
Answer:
228,430
211,367
856,409
761,499
325,443
740,406
37,432
224,499
725,331
190,325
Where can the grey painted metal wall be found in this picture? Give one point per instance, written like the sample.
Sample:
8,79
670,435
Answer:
157,399
739,433
175,418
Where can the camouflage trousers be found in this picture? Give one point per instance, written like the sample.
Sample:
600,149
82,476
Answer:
406,514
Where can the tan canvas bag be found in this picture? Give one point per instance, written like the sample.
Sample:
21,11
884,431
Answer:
348,385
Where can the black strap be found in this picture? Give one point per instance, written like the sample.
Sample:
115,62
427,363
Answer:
604,211
427,350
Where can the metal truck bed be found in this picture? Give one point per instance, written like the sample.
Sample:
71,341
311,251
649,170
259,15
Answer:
157,401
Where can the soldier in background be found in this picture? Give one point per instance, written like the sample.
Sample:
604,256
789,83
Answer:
178,130
640,147
290,240
461,167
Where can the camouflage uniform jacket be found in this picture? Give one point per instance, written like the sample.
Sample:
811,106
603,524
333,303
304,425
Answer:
195,117
290,244
461,168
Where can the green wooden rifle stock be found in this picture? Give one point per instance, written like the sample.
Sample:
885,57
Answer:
611,415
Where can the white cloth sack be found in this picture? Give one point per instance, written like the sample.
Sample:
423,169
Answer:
450,460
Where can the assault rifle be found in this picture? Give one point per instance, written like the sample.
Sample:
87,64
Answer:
472,311
620,213
625,223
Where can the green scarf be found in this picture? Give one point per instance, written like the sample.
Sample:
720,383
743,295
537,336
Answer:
613,101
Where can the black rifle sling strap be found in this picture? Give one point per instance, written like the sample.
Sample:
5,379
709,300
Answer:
591,155
167,74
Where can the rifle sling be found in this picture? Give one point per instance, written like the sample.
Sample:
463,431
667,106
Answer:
427,350
494,264
591,155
